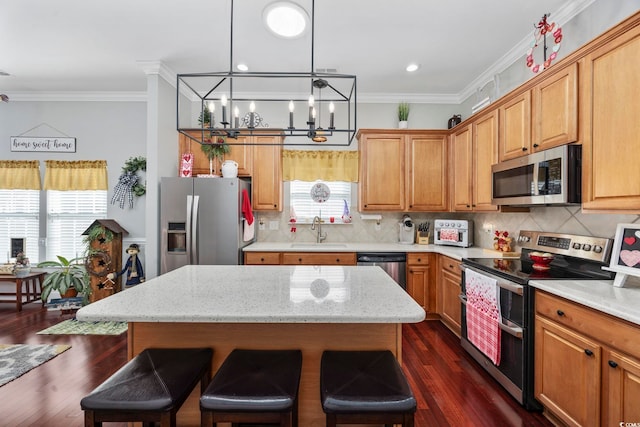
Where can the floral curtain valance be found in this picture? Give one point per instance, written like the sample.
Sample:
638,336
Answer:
325,165
20,175
75,175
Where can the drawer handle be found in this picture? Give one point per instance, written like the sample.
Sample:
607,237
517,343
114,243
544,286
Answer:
299,259
261,259
337,259
588,352
524,148
560,313
613,364
450,266
536,145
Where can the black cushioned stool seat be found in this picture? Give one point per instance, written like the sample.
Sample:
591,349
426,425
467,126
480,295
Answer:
150,387
254,386
365,387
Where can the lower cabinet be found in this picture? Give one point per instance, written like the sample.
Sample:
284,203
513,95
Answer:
587,364
420,283
449,306
300,258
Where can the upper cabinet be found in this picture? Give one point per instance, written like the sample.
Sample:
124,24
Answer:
515,127
555,109
266,183
242,154
403,170
610,84
474,148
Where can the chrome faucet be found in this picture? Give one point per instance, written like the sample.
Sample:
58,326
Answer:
320,237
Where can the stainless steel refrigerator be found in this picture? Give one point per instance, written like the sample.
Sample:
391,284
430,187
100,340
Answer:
202,221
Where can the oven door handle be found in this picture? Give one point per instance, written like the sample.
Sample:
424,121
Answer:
514,330
504,284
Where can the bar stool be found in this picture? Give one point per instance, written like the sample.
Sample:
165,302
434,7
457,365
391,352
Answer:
150,387
365,387
254,386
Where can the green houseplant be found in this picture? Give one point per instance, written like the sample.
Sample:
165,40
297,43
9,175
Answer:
68,274
403,114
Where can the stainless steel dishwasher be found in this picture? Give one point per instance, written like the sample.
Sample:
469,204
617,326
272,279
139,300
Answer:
393,263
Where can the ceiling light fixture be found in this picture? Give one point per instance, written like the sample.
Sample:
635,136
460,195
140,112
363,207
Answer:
285,19
243,92
412,67
242,67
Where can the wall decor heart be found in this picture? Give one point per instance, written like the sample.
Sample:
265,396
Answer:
630,240
630,258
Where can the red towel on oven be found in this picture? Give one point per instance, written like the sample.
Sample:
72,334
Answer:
483,314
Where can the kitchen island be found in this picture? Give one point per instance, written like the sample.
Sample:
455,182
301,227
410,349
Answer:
312,308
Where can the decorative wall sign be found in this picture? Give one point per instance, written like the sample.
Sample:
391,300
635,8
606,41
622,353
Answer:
50,144
17,245
320,192
625,257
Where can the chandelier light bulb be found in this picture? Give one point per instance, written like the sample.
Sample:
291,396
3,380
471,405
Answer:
212,106
223,100
291,106
252,107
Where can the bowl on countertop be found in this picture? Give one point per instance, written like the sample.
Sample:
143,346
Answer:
541,262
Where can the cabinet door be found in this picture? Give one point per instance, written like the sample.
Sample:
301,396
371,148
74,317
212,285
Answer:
241,154
515,127
621,388
462,169
417,282
555,109
449,291
485,154
427,175
266,185
611,176
382,177
328,258
567,373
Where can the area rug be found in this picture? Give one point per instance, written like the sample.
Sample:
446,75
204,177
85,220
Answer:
18,359
73,326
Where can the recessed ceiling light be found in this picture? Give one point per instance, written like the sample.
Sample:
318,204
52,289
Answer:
243,67
285,19
412,67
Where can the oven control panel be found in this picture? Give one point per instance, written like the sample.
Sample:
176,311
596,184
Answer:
587,247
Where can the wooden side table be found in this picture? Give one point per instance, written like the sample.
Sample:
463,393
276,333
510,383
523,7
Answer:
28,288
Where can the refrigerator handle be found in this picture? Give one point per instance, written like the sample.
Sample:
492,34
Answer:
188,223
194,231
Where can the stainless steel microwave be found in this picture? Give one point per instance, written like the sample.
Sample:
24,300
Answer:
549,177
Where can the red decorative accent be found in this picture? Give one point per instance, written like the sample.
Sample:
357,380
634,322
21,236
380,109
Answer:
629,240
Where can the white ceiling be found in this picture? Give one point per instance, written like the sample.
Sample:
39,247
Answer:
90,45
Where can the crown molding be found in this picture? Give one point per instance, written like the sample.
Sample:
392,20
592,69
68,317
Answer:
158,68
106,96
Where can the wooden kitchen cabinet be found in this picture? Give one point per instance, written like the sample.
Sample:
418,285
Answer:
610,84
474,150
449,290
266,183
403,170
514,139
263,258
587,363
419,281
554,120
242,154
382,179
318,258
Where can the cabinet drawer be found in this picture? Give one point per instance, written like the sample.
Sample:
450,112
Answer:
266,258
609,330
451,265
325,258
418,259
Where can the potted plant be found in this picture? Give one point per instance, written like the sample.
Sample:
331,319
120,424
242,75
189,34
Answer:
216,149
403,114
69,274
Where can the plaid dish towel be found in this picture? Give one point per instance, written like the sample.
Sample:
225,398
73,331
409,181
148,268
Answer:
483,314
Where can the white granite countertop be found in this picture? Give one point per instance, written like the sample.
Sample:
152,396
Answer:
600,295
450,251
262,294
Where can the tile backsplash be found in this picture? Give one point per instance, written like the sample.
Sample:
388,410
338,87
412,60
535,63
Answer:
565,219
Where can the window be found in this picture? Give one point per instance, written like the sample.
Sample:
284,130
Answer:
306,208
69,214
19,216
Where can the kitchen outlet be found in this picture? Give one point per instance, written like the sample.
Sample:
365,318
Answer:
377,226
487,228
273,225
261,225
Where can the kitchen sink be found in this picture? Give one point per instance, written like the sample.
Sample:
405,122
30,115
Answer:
318,245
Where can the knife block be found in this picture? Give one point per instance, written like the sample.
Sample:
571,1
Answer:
422,237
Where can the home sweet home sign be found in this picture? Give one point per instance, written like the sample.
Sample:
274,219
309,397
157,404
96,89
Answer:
43,144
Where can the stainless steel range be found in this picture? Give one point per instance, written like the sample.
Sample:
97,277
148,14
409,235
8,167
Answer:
573,257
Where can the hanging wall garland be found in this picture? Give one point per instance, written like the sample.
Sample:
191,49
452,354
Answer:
542,29
128,183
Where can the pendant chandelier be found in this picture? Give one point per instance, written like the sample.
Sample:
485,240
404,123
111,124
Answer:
306,107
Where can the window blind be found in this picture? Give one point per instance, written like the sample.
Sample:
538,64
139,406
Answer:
19,214
306,208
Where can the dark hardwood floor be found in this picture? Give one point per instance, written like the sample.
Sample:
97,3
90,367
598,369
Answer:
450,387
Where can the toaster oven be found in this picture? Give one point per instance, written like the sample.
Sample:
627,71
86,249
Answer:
453,232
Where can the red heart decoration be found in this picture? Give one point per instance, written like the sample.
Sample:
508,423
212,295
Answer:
630,240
